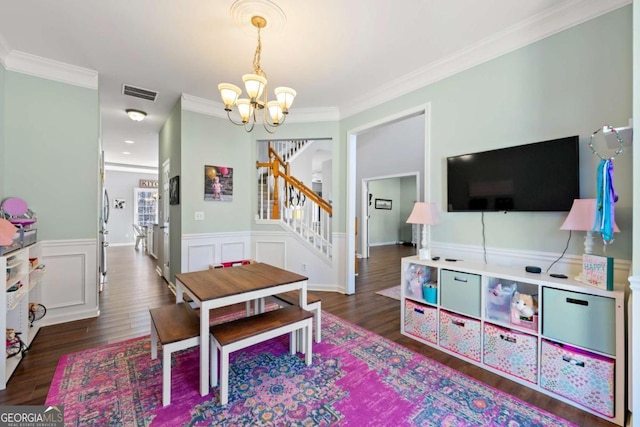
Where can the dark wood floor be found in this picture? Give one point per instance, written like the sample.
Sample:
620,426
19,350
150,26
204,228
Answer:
134,287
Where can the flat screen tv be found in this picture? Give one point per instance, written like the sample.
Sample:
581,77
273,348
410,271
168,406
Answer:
542,176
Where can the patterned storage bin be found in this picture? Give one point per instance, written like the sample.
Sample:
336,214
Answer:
512,352
583,377
421,321
460,334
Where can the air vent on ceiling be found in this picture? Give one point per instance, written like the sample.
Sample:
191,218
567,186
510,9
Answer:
138,92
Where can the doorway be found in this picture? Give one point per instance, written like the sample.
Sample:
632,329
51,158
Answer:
422,111
385,223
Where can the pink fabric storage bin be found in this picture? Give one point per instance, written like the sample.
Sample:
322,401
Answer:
524,322
584,377
460,334
421,321
512,352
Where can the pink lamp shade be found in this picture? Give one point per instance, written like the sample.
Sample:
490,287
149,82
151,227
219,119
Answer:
582,216
424,213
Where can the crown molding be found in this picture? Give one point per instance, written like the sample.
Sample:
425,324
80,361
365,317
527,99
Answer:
121,167
205,106
50,69
565,15
298,115
4,52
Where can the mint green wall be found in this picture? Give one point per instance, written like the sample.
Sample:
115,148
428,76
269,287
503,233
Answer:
51,154
213,141
570,83
169,143
2,129
407,200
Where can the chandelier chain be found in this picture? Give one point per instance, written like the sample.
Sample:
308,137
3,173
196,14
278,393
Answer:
256,57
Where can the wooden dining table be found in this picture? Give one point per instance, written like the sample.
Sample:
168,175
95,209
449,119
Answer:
221,287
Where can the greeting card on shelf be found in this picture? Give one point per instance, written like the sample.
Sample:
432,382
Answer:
598,271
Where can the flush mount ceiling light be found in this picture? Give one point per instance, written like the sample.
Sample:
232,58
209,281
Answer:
254,108
136,115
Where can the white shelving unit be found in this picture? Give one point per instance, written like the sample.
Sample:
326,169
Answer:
572,350
21,286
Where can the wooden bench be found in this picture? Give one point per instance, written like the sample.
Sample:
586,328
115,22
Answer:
313,304
238,334
176,327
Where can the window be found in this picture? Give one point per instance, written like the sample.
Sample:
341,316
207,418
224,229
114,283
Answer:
145,209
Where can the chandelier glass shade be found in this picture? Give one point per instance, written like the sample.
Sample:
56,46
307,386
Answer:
256,107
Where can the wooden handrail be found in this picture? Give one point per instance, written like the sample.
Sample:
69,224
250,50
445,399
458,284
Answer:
298,185
275,166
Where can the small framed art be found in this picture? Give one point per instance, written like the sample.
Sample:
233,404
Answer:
174,190
383,204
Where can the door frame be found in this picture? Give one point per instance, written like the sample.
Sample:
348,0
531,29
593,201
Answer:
352,138
366,205
166,244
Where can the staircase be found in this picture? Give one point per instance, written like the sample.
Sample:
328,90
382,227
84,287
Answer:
284,198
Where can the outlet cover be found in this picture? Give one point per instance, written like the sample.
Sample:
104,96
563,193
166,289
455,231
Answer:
199,215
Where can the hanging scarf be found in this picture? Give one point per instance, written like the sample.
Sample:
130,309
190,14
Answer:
607,196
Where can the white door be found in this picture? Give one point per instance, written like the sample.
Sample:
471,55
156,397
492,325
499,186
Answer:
165,224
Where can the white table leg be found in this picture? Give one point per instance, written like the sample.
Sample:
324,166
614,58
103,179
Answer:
214,361
154,342
224,376
179,291
204,350
308,339
166,377
318,320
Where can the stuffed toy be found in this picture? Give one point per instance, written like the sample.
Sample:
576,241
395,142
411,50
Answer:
11,336
526,305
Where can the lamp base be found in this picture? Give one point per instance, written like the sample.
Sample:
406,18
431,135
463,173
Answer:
424,253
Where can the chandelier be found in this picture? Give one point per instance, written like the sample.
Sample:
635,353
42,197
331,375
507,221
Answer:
250,109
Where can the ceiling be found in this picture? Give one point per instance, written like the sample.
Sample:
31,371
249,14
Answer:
341,56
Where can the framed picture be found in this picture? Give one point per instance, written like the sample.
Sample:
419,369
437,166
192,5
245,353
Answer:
383,204
174,190
218,183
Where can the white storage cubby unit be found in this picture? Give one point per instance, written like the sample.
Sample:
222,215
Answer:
21,285
572,348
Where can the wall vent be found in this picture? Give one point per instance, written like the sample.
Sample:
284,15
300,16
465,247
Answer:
138,92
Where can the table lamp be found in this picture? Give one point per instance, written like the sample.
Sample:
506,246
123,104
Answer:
424,214
581,218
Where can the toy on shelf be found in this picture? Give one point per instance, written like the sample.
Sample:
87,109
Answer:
16,211
524,310
499,301
36,312
14,344
417,276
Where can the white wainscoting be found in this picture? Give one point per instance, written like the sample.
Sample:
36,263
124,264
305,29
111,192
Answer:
634,346
199,251
272,252
69,287
286,250
282,249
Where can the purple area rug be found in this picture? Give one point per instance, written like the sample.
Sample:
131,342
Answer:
357,379
393,293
